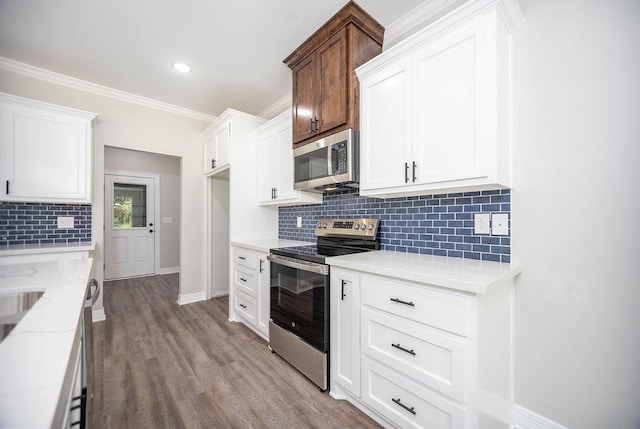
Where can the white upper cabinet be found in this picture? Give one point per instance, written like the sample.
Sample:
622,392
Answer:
45,152
216,146
435,109
275,165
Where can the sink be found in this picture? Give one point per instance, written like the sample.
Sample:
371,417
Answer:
13,307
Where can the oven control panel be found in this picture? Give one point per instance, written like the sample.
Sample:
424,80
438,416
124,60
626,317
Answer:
367,228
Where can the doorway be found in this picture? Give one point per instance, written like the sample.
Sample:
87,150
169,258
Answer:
130,225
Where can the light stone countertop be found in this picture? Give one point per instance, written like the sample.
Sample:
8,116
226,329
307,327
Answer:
35,357
461,274
267,244
33,249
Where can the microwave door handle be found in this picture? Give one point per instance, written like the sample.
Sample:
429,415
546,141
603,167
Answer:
330,161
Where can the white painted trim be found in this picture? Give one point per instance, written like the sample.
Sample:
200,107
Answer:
419,16
499,408
98,315
156,210
170,270
450,11
71,82
527,419
219,294
191,297
278,107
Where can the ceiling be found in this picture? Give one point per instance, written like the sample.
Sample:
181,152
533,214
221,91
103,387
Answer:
235,47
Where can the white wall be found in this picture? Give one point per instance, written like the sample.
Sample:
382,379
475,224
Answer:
132,126
575,211
168,168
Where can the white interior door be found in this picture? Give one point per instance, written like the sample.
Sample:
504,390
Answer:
129,226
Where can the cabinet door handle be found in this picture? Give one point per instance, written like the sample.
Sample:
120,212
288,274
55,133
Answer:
343,295
261,262
244,280
399,347
311,128
414,170
399,301
213,163
7,187
315,125
399,402
244,306
406,172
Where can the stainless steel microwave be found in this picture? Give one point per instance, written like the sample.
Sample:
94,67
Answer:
328,163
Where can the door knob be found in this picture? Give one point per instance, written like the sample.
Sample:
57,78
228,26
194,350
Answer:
150,230
150,224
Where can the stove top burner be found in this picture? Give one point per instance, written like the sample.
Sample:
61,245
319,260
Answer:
336,237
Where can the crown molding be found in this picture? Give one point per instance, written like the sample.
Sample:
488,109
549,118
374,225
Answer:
82,85
429,12
276,108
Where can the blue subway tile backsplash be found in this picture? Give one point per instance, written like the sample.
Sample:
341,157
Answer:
36,224
428,224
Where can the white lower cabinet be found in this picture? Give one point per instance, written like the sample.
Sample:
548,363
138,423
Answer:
413,355
250,283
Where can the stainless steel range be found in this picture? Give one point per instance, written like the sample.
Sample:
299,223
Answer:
299,322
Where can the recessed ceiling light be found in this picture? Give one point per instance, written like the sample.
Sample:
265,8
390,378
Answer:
183,68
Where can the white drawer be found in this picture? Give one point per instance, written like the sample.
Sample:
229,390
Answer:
439,308
245,257
245,307
404,402
435,359
245,280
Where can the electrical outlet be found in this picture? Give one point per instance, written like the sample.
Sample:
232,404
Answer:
167,220
299,221
65,222
481,223
500,224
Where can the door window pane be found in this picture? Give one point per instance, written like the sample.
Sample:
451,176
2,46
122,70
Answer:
129,205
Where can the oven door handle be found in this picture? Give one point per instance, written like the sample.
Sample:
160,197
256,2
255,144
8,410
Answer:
300,265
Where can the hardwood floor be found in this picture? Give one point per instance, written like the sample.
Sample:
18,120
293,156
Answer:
161,365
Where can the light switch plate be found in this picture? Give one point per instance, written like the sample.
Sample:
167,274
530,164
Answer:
65,222
167,220
500,224
481,223
299,221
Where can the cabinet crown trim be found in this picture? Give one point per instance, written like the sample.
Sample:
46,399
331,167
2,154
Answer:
351,13
55,108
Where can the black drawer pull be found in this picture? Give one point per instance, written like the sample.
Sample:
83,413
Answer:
243,306
399,402
399,347
244,280
242,257
343,295
399,301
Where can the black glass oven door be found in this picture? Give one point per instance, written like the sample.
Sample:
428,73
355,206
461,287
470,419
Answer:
299,299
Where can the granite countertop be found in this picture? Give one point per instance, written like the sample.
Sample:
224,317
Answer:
35,357
33,249
267,244
461,274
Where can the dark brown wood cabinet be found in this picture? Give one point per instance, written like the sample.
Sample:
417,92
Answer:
325,86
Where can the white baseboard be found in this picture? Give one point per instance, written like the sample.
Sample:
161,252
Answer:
98,315
192,297
496,407
527,419
219,294
170,270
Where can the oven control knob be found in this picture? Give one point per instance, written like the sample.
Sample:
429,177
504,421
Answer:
357,226
324,225
319,225
370,226
363,227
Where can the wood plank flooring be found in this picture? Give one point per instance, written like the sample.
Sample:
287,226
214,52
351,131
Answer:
161,365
